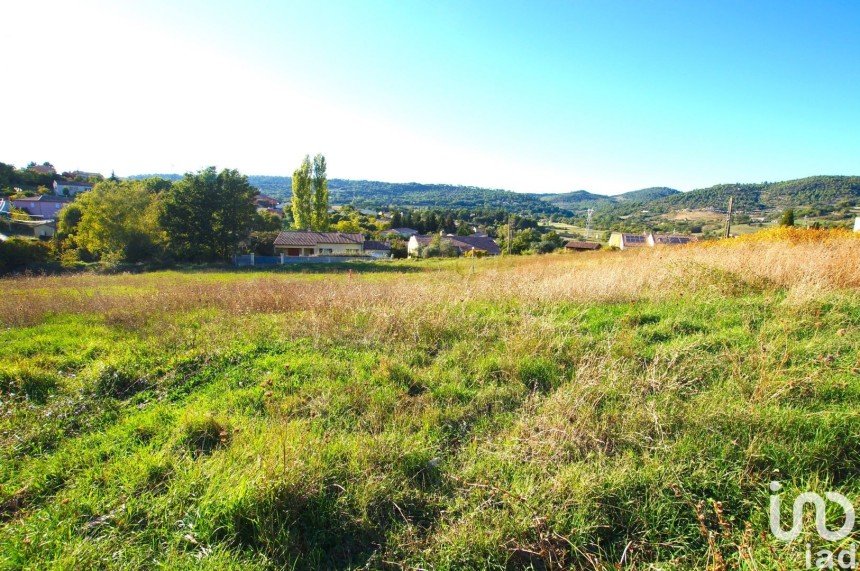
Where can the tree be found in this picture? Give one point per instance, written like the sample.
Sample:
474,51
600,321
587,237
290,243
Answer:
265,221
320,219
69,218
116,221
787,218
7,175
301,202
348,225
397,219
207,214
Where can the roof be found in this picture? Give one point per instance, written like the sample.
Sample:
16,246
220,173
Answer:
42,198
375,245
477,243
402,231
72,183
465,243
673,239
633,239
575,245
309,238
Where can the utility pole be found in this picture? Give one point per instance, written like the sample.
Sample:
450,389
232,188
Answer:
729,217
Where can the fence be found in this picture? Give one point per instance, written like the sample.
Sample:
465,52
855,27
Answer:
255,260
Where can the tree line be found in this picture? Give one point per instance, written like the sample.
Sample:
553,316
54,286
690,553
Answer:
203,217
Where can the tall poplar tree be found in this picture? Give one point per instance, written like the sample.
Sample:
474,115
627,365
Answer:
320,198
301,204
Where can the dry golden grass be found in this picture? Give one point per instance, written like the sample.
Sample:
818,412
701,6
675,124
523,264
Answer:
803,262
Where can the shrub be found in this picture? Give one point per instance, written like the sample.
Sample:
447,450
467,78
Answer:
18,254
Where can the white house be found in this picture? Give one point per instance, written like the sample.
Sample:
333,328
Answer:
45,229
70,187
624,241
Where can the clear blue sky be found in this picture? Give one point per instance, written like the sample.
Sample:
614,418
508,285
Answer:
532,96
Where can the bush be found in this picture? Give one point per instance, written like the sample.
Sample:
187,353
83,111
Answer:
19,254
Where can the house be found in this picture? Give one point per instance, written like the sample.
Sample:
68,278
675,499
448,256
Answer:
576,246
857,224
404,233
623,241
309,243
263,201
672,239
42,169
83,175
376,249
44,229
42,206
462,244
70,187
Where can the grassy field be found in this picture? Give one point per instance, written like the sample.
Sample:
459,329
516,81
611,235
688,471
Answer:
614,410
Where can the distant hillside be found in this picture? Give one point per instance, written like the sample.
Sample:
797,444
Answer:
373,194
582,199
819,193
815,191
577,200
382,195
646,194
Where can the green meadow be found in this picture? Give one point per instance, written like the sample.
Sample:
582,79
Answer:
606,411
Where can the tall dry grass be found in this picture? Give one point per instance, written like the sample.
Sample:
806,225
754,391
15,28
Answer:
799,264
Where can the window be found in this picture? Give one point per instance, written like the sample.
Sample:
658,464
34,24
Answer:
326,251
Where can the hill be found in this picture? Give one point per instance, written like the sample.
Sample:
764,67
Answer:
383,195
576,200
646,194
818,195
814,192
540,412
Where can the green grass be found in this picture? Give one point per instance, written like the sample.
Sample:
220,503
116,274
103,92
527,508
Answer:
518,434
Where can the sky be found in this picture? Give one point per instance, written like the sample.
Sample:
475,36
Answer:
607,96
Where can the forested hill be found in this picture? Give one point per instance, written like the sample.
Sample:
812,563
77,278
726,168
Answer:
382,195
825,193
373,194
815,191
646,194
582,199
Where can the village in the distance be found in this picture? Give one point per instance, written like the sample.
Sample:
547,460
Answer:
82,219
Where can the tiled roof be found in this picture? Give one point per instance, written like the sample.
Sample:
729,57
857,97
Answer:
72,183
401,231
42,198
478,243
465,243
575,245
308,238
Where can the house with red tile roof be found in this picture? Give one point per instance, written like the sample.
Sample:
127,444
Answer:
310,243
